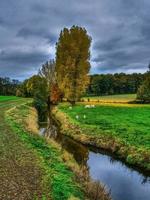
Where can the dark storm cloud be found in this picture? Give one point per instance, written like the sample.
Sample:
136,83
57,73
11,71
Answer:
128,48
1,22
22,57
108,45
21,64
27,33
29,30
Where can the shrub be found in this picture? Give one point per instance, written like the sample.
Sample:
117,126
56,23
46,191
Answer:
144,91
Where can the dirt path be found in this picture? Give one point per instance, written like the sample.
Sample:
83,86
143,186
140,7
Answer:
20,172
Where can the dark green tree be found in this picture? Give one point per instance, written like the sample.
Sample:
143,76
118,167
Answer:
8,86
143,93
38,89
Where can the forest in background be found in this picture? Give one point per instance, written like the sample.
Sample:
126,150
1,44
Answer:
119,83
100,84
8,86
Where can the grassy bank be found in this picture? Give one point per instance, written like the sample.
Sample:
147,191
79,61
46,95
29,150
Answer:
124,129
57,178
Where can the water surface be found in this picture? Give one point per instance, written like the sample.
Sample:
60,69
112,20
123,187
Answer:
124,182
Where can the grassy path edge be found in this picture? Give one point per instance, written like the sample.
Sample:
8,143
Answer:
58,177
129,154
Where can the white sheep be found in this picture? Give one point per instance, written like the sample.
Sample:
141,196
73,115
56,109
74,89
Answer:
92,106
77,116
84,116
87,106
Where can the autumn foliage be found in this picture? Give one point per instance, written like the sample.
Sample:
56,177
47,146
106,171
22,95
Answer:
55,94
72,62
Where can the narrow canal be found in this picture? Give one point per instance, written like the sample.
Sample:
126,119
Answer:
123,182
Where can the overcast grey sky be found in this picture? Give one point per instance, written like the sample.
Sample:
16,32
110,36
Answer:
29,29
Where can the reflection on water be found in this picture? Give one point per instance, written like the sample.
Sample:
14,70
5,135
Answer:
79,151
124,182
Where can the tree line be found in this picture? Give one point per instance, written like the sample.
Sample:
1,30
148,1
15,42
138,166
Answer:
111,84
8,86
99,84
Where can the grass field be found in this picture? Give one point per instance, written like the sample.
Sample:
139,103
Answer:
131,124
31,168
112,98
123,125
8,98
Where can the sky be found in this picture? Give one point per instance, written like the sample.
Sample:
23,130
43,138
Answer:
29,29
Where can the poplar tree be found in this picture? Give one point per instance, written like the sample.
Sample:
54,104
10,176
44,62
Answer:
72,62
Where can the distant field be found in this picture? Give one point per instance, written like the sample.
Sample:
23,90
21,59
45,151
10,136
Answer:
112,98
6,98
130,123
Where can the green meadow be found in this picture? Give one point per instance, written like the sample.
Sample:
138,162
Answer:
8,98
130,123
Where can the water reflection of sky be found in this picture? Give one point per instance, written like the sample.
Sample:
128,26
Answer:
125,184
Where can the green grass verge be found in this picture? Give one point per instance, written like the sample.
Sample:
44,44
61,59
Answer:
19,165
123,129
61,179
8,98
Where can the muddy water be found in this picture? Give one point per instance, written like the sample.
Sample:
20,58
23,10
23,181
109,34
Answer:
124,182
